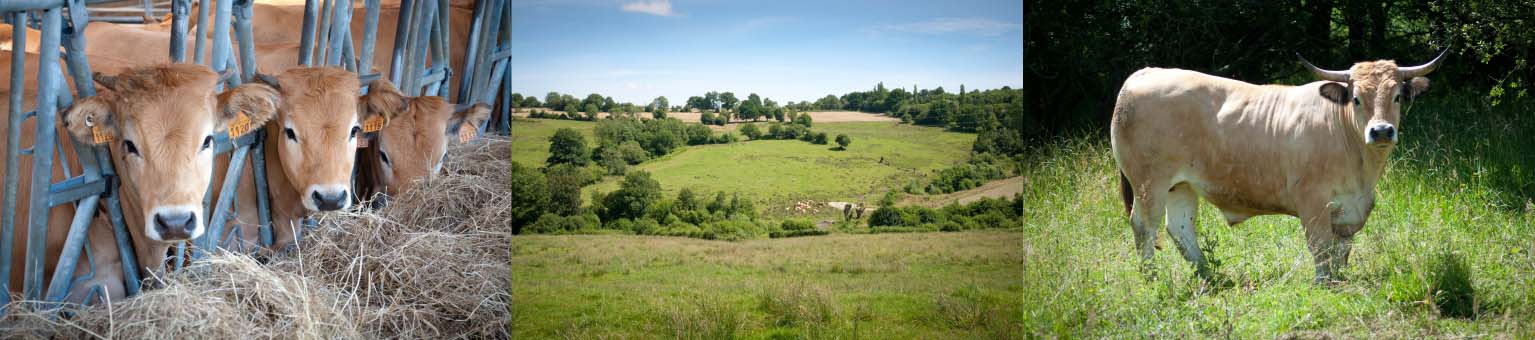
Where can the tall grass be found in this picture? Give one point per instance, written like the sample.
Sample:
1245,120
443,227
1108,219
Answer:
1446,251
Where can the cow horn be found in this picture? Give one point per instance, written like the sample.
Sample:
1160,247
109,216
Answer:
1415,71
268,80
109,82
1341,76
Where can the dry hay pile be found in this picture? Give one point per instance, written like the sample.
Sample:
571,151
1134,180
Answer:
433,264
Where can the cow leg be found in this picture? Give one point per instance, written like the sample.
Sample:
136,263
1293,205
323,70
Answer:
1145,217
1323,243
1182,206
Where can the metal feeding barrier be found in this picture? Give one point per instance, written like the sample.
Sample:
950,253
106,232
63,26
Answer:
85,190
487,70
419,65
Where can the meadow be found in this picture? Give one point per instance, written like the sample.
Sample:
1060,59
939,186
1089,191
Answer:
778,173
530,138
1446,253
883,286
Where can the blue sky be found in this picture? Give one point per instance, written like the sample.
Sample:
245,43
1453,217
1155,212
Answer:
635,50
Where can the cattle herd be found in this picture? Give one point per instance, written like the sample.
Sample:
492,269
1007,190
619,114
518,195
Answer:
158,120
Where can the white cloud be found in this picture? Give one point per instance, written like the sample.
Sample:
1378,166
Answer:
979,26
652,7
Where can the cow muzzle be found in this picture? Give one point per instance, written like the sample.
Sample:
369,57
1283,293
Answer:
174,223
1381,134
327,198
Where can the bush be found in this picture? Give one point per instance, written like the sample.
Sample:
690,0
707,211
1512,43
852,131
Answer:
885,230
797,233
843,141
632,153
530,196
567,146
820,138
751,131
555,224
796,224
885,216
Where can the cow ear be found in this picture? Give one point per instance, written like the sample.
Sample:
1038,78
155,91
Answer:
90,120
382,104
1419,86
471,117
1335,92
256,101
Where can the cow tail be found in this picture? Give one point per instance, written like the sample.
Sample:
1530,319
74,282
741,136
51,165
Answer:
1125,193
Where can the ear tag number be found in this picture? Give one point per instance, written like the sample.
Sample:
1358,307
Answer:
102,135
240,125
373,124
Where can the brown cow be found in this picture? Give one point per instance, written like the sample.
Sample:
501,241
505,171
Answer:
413,145
1313,151
161,149
310,147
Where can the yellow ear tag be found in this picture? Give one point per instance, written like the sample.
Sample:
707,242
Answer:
102,135
239,126
466,132
362,142
373,124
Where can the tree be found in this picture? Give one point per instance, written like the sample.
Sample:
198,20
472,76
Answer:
686,200
572,108
803,119
608,104
660,104
567,146
751,131
530,196
718,205
712,101
565,182
843,141
751,108
778,114
593,99
658,114
516,100
552,100
637,192
696,102
531,101
612,160
591,112
728,100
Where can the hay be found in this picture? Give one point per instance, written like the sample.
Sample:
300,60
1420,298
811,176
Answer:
433,264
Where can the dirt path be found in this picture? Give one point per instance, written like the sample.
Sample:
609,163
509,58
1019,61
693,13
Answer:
1002,188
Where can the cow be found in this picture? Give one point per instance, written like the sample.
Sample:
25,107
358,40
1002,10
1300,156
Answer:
1313,151
413,145
310,149
161,148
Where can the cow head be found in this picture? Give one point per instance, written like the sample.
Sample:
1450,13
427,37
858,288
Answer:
412,147
158,123
1375,93
318,127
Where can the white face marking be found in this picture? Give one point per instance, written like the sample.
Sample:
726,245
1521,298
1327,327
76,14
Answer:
197,220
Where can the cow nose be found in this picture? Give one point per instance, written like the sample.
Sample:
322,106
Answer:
333,201
175,225
1382,133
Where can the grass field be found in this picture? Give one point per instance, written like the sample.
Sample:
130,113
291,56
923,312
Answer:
530,138
883,286
777,173
1451,188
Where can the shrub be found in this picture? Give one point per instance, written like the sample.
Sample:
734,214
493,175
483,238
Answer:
796,224
553,224
885,216
751,131
820,138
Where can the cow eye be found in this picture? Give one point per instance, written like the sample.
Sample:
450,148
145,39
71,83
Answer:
384,156
1356,101
355,131
128,146
1397,98
290,134
207,142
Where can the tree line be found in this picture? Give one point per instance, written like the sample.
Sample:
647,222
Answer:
1077,54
